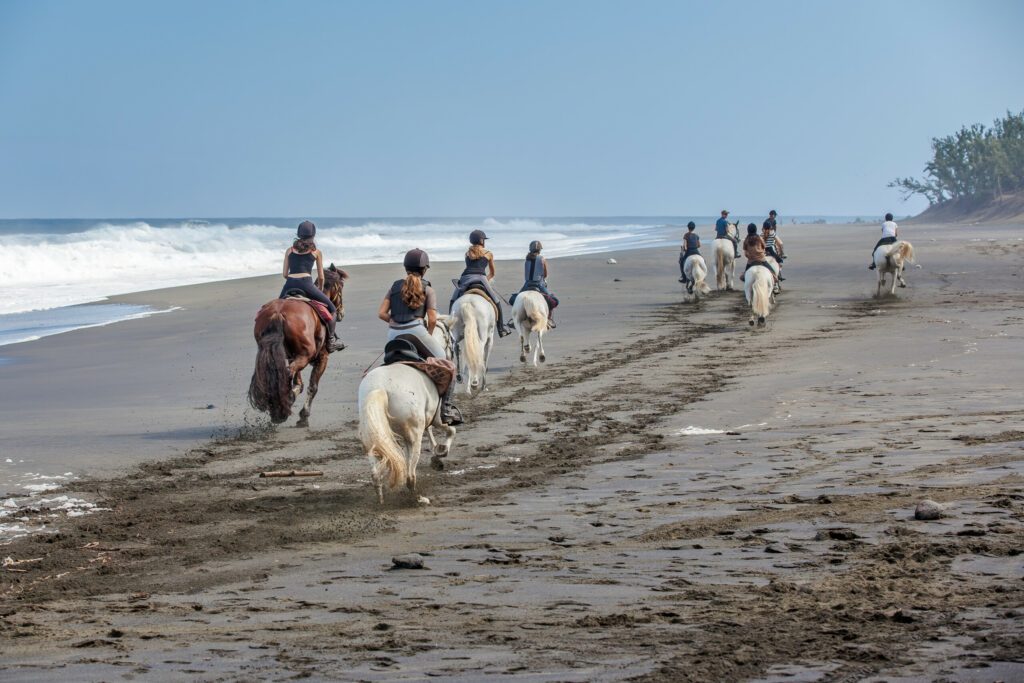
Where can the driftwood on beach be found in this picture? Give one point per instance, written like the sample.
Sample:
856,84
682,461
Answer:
292,473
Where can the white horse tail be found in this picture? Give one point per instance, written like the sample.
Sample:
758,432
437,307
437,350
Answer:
536,312
906,252
761,296
700,275
719,267
474,352
375,432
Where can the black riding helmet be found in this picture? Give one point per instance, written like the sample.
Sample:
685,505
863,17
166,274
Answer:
306,230
888,216
691,225
751,228
415,259
477,237
535,247
772,213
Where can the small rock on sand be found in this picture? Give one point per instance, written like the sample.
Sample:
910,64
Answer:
409,561
612,262
928,509
423,500
776,548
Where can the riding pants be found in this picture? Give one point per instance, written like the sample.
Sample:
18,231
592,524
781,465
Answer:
419,330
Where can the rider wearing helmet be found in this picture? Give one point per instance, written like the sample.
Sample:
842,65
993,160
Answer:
480,271
535,273
772,243
690,246
753,249
722,231
410,309
298,275
890,233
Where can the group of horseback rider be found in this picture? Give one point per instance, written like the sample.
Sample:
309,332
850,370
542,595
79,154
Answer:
755,247
410,304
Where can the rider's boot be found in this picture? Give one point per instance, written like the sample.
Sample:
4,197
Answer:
333,343
504,328
450,415
872,266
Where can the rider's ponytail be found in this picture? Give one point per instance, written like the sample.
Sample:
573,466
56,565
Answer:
413,294
476,251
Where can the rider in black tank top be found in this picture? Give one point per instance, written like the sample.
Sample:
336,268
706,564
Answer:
479,270
299,261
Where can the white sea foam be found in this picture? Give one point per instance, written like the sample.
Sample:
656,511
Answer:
697,431
41,270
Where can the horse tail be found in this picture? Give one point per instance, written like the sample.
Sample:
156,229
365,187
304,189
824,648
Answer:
474,352
907,252
761,295
702,284
375,432
270,390
536,312
719,265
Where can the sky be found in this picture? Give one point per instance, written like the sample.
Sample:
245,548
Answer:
450,108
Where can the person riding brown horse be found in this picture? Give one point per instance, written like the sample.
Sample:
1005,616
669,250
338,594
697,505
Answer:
291,335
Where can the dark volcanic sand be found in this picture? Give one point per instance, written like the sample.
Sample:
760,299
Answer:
577,534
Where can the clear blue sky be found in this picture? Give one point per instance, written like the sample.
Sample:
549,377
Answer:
223,108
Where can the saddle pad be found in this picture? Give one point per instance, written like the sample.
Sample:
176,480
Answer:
440,371
483,295
321,310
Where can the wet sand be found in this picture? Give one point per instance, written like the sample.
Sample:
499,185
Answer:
681,498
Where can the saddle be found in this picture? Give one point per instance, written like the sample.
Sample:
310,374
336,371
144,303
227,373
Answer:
479,290
408,350
533,287
321,310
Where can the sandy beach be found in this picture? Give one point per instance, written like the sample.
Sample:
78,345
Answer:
673,496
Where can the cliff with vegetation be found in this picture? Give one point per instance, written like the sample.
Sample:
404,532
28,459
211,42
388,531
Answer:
975,174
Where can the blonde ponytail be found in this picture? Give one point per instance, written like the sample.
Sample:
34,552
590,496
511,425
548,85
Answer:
413,294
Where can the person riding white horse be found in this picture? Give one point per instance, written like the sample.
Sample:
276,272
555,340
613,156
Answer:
759,287
535,277
691,263
890,233
398,401
722,232
892,258
478,273
473,324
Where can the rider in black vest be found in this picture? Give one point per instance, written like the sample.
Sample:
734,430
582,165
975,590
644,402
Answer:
410,310
690,246
535,277
480,271
299,261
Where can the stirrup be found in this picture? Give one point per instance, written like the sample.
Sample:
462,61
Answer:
551,324
335,344
451,416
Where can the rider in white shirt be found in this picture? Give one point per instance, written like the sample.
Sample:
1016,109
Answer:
890,232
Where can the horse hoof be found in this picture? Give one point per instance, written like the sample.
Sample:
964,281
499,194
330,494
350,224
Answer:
302,423
760,320
522,358
542,358
751,322
437,463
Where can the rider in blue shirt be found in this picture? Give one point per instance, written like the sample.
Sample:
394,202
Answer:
722,232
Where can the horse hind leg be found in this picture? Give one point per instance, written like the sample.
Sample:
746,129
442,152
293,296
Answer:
319,366
413,437
540,346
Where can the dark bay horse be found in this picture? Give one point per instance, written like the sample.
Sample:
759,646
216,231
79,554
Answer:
290,336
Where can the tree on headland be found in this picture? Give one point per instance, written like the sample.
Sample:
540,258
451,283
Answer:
973,162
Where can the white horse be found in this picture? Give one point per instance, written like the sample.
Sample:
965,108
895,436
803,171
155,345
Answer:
892,258
474,323
725,259
396,404
696,270
759,287
530,311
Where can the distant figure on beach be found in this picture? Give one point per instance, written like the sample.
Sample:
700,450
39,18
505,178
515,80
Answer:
890,232
689,247
722,231
410,310
298,275
753,249
535,277
773,245
479,272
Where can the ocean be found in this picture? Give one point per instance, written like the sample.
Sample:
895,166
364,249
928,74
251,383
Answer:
54,272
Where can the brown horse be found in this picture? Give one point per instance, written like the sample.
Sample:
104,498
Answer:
290,336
